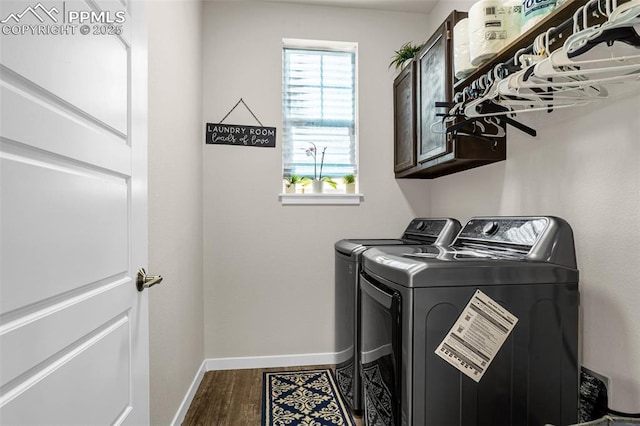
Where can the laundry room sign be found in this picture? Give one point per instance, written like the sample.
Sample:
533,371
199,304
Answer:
235,134
477,336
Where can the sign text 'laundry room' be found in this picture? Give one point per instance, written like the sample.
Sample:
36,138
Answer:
234,134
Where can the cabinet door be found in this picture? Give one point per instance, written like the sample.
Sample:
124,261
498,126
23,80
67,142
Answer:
434,84
404,98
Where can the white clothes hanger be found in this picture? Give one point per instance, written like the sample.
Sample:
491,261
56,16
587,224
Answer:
518,82
500,94
548,69
564,79
557,80
552,94
558,62
625,15
471,107
526,107
599,55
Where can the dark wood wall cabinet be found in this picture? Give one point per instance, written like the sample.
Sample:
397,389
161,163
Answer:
422,148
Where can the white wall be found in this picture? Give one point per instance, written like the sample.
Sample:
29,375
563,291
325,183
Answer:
175,202
269,268
584,166
444,8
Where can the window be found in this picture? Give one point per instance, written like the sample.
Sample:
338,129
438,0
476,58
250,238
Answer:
319,109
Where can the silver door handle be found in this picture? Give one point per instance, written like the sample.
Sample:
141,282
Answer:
145,281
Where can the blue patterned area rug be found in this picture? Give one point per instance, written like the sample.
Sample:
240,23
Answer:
303,398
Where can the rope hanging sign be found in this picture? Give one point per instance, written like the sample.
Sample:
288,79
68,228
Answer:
237,134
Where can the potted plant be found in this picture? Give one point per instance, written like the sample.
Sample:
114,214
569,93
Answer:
292,181
350,183
405,54
318,180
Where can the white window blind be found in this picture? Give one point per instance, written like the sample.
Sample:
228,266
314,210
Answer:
319,108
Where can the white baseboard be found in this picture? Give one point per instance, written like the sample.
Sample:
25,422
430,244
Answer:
191,392
214,364
240,363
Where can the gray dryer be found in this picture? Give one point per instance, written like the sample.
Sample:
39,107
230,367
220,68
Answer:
348,261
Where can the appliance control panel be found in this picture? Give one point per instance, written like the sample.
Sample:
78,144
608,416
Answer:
430,227
521,231
439,231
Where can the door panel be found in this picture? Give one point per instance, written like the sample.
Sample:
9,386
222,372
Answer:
42,334
73,327
97,63
103,392
59,213
21,102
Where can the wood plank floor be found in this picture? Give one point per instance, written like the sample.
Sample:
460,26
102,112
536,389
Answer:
233,398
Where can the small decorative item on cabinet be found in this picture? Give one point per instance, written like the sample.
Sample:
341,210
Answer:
404,55
350,183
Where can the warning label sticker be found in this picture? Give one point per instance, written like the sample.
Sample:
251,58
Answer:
477,336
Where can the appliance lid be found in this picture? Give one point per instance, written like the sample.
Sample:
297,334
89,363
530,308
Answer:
440,231
349,247
487,251
417,267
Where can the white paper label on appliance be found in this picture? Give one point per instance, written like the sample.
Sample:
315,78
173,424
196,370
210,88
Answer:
477,336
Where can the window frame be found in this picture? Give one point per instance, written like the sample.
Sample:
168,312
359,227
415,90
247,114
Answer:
330,196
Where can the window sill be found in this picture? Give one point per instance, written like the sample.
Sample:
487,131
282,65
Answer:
321,199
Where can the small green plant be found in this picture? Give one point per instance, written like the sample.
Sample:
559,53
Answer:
349,179
296,180
330,181
405,53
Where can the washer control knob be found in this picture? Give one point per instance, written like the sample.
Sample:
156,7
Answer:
490,228
419,225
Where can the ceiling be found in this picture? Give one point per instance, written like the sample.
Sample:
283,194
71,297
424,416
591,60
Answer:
413,6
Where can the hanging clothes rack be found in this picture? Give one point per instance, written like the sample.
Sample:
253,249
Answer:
587,14
555,31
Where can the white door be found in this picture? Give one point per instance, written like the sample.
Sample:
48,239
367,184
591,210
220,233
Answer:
73,327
